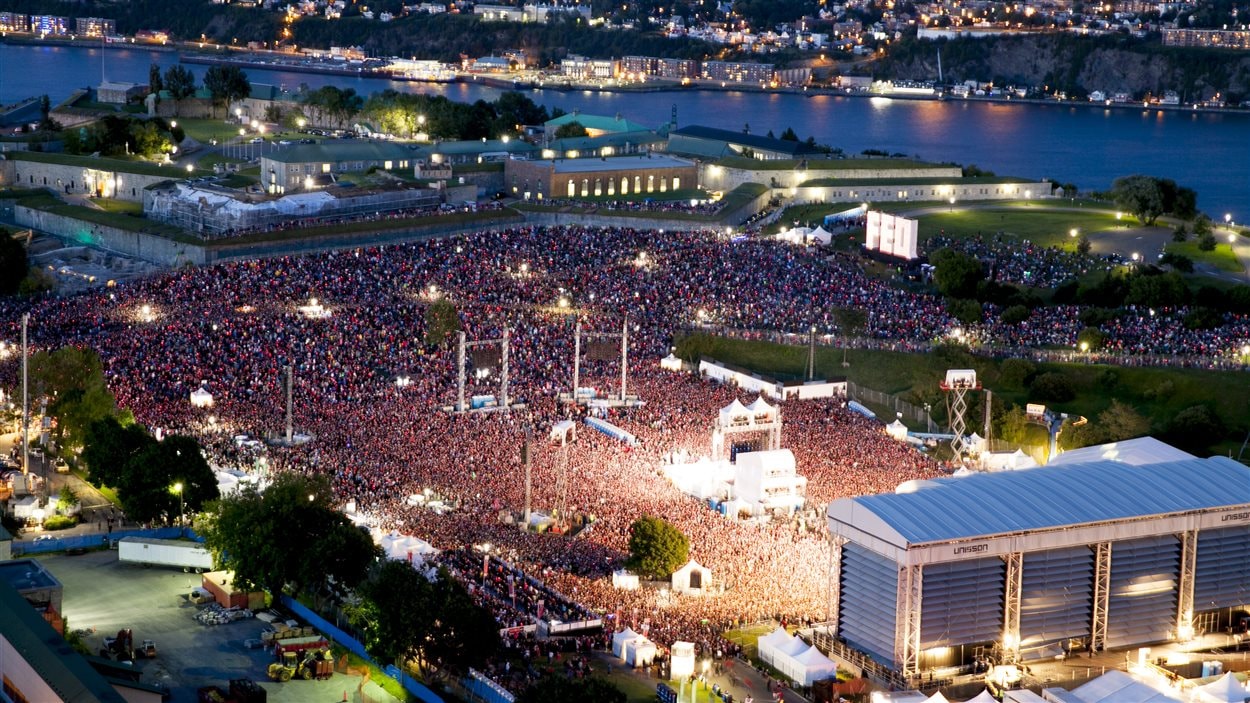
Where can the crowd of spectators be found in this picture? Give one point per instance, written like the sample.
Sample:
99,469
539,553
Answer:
233,329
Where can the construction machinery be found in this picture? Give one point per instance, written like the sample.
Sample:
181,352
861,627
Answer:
147,650
310,664
121,647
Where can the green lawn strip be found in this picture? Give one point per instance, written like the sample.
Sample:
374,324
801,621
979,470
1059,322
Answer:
415,224
1042,227
114,219
818,163
206,130
748,636
121,207
1157,393
1222,257
145,168
376,675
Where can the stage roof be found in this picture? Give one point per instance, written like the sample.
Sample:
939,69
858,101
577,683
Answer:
983,504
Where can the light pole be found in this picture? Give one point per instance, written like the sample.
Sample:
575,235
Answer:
177,488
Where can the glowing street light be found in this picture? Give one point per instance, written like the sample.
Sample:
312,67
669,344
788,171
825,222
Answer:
177,488
1073,232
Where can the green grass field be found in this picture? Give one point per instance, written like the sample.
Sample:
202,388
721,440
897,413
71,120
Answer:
204,131
1221,257
121,207
1157,393
1040,226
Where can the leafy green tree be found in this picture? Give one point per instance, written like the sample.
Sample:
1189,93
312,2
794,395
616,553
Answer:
1140,195
147,486
180,83
571,129
1180,234
789,135
288,535
1052,386
1015,314
561,689
851,323
226,84
73,381
1195,428
388,610
66,499
656,548
108,447
1013,425
1121,421
13,265
463,634
965,310
1090,339
516,109
1180,262
155,84
46,123
1016,372
1083,245
955,273
149,140
1206,242
441,321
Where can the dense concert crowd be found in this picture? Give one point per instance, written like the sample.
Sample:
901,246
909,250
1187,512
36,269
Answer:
233,329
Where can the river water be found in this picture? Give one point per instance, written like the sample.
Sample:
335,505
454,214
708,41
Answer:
1084,145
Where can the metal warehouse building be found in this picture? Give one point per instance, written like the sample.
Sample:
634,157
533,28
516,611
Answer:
1027,564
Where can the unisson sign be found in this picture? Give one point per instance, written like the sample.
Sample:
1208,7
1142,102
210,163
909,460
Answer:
966,549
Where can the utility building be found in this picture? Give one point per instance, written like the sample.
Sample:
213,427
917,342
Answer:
1020,565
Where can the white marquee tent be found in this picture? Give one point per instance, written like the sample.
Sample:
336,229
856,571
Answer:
982,697
681,660
692,578
639,652
201,398
897,430
1226,689
1114,687
618,642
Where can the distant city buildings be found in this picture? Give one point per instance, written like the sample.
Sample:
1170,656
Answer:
1208,38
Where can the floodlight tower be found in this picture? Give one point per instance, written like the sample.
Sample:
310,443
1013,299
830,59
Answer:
956,386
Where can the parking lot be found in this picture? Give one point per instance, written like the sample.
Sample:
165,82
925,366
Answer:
105,595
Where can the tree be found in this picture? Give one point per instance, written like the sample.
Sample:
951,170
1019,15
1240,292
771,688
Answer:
1120,421
441,321
955,273
66,499
290,534
1180,262
108,447
227,84
789,136
1180,234
1083,245
13,265
403,615
1013,425
965,310
46,123
571,129
656,548
155,84
180,83
1016,372
1052,386
1015,314
1206,242
1140,195
147,487
1090,339
73,380
1195,428
561,689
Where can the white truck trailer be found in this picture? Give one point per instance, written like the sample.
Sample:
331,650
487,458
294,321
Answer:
165,552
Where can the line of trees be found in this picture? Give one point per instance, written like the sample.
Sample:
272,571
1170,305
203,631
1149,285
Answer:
405,114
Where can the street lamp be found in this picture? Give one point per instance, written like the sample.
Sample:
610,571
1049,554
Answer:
177,488
1073,232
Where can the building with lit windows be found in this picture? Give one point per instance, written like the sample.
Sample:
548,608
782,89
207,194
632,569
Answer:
1208,38
95,27
625,177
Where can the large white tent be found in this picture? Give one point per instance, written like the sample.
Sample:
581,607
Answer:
693,578
639,652
982,697
620,639
1226,689
1114,687
766,645
812,666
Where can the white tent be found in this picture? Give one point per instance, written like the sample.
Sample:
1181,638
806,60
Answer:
936,698
897,430
692,578
201,398
670,363
819,236
767,645
625,581
761,411
735,414
681,660
639,652
619,640
1226,689
814,666
563,431
982,697
1022,695
1116,686
899,697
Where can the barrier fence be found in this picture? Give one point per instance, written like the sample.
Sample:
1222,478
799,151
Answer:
411,685
97,540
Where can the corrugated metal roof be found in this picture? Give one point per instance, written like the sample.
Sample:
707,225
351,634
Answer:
984,504
755,141
599,122
1142,450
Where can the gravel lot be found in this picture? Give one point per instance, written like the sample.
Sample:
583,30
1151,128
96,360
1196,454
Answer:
106,595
